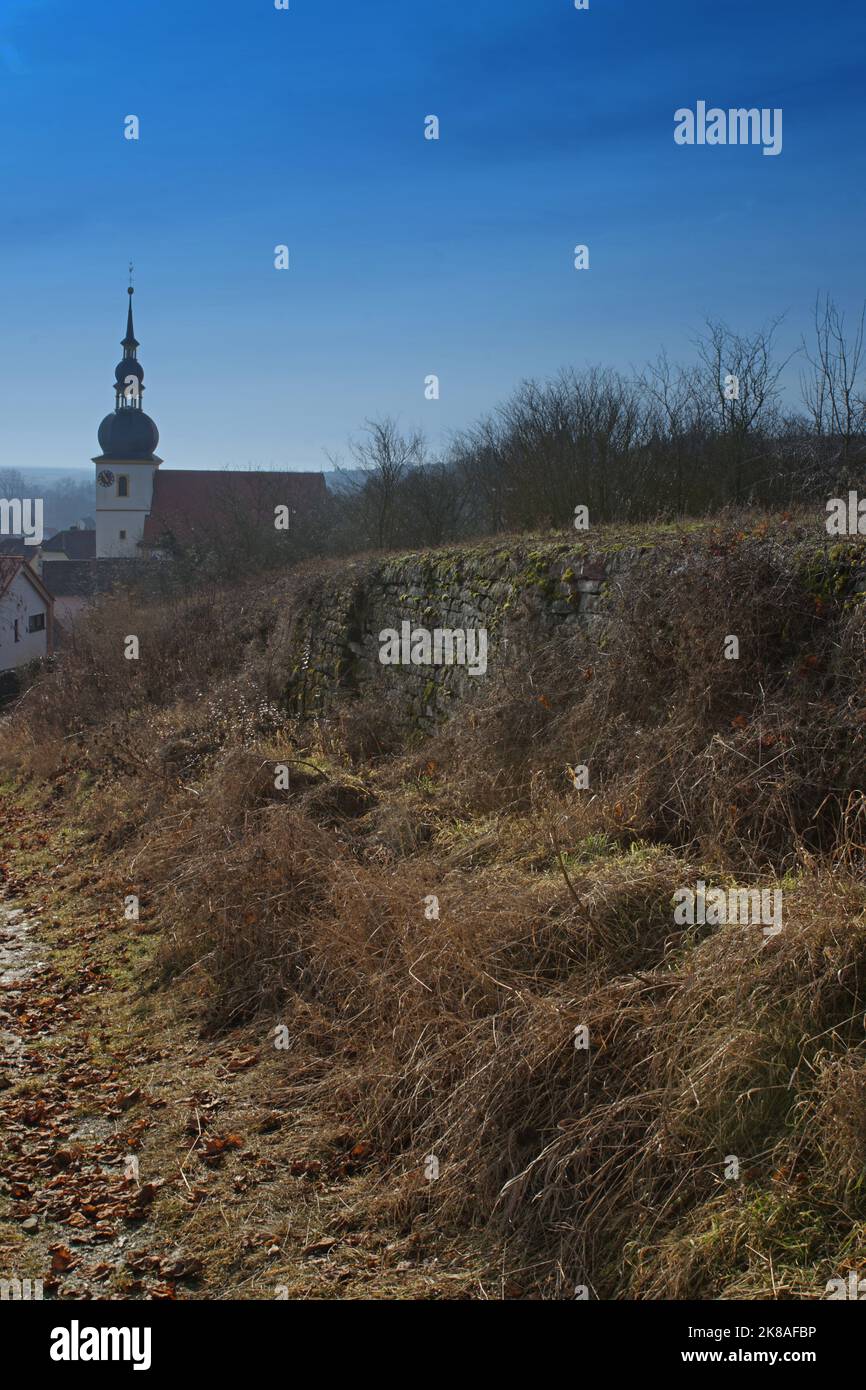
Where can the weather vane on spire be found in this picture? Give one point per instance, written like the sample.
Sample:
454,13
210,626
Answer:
131,278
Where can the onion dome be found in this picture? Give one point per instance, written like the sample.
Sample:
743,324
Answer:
128,433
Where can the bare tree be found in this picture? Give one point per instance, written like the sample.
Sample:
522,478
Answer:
432,504
566,442
831,390
673,425
739,393
254,520
12,483
476,456
385,456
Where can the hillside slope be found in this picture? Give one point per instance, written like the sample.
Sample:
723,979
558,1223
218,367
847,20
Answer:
517,1070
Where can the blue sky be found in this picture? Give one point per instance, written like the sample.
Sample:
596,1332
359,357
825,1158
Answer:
408,256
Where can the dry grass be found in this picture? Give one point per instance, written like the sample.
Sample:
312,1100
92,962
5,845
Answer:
754,760
455,1035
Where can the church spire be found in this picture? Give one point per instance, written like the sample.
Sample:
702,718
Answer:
128,434
129,374
130,342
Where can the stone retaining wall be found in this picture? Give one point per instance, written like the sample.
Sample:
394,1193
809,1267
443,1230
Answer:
515,594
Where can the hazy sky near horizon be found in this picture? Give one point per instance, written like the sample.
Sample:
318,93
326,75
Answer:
408,257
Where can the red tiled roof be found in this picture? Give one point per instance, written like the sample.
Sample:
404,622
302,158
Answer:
186,502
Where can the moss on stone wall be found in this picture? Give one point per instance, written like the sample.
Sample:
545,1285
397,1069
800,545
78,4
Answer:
528,589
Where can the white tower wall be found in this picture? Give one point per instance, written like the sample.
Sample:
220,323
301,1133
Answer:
117,514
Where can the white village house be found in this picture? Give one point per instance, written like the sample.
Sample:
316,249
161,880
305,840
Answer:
26,614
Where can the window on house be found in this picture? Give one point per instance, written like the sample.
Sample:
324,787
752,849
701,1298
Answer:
123,535
17,633
122,485
36,622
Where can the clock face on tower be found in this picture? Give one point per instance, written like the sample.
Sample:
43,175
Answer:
105,478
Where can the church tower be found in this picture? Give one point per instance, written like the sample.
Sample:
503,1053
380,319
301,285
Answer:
126,468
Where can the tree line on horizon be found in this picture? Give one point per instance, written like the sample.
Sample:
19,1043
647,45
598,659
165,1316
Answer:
670,441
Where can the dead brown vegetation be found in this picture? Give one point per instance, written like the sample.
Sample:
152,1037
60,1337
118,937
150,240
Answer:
454,1035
